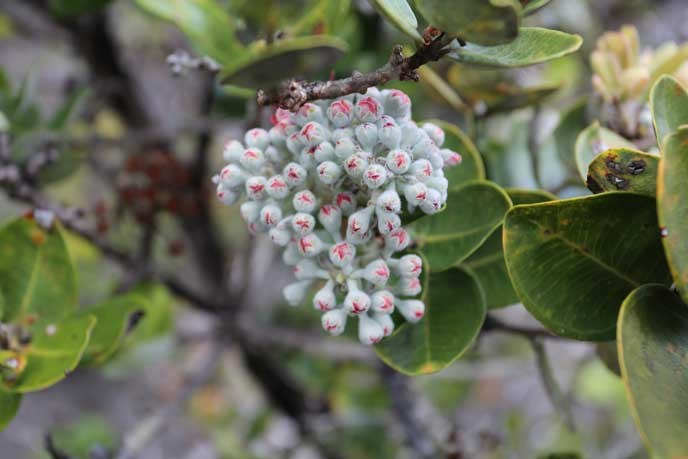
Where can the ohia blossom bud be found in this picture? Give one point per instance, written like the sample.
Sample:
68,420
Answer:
451,158
376,272
397,240
232,176
334,321
408,286
375,176
310,245
389,133
359,222
382,301
305,201
345,147
410,265
342,254
276,187
309,112
346,201
398,161
232,151
294,174
280,236
252,159
291,254
389,201
294,142
385,321
366,134
330,217
421,169
270,215
415,193
356,302
226,195
324,299
341,134
255,187
258,138
369,331
355,165
308,269
412,310
340,113
329,172
387,221
295,292
368,109
313,133
435,133
302,223
397,104
324,152
432,203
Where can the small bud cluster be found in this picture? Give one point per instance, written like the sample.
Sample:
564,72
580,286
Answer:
327,183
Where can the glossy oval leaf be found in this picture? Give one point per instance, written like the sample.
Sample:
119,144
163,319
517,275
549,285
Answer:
296,57
54,351
400,14
623,169
37,277
487,263
9,405
653,344
592,141
471,167
672,206
572,122
207,25
488,22
113,320
473,212
669,105
572,262
532,46
453,318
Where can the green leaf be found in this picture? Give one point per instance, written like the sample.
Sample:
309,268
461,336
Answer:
669,104
158,313
452,321
593,141
471,167
292,56
400,14
672,206
533,6
67,8
572,262
474,210
532,46
487,263
488,22
573,121
653,344
36,272
69,108
9,405
54,351
208,26
439,89
623,169
113,318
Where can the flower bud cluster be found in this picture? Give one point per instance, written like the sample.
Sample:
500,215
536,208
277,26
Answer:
328,184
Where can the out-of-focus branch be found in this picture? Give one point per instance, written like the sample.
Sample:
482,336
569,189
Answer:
53,451
559,401
292,94
493,324
403,404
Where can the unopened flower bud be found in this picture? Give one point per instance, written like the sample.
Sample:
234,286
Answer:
375,176
310,245
382,301
270,215
355,165
451,158
369,331
398,161
226,195
294,174
308,269
421,169
291,254
329,172
376,272
280,237
275,155
435,132
386,322
368,109
324,299
408,286
397,240
410,135
387,221
356,302
302,223
342,133
397,104
258,138
334,321
295,292
232,151
415,193
250,211
255,187
309,112
423,147
389,132
305,201
345,147
342,254
389,201
330,217
410,265
366,134
346,202
324,152
313,133
276,187
232,176
412,310
252,159
432,203
359,222
340,113
294,142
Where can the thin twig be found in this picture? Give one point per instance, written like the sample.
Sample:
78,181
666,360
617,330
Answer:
493,324
53,451
292,94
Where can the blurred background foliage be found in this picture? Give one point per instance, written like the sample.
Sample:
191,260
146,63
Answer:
58,91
